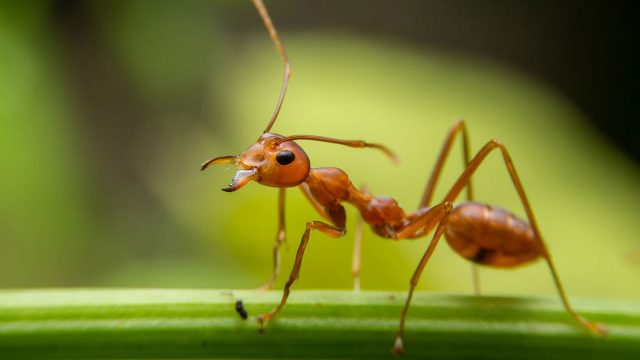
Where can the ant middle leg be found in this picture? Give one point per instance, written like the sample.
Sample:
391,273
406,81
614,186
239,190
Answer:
357,247
281,239
398,346
426,219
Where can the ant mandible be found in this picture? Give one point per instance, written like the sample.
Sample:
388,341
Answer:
481,233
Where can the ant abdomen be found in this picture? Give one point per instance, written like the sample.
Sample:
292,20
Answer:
491,236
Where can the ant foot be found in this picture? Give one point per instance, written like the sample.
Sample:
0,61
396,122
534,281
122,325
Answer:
599,329
263,319
356,284
261,322
398,347
266,286
596,328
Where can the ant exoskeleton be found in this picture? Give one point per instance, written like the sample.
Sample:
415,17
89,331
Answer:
481,233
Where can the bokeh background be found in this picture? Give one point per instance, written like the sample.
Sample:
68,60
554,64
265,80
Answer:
107,109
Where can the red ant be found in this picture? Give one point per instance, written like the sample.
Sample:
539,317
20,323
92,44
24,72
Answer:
481,233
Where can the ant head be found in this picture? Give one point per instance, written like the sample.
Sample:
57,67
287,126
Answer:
275,160
272,161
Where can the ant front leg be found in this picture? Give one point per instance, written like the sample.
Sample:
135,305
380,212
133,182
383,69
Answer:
333,231
357,240
281,239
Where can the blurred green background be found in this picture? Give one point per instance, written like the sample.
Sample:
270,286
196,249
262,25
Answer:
107,109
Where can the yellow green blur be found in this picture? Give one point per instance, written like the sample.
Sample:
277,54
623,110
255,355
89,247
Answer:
58,229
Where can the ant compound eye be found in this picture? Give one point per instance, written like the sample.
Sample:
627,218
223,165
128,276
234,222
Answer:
285,157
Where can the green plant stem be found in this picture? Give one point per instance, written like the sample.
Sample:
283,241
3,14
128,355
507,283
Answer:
134,323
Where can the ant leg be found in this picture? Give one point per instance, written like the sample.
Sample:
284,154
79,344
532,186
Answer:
280,240
357,246
475,278
458,127
355,263
424,220
398,345
462,181
326,229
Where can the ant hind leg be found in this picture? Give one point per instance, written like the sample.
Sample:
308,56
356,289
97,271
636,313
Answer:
458,127
596,328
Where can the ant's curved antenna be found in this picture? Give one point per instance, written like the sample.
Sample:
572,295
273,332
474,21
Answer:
350,143
287,65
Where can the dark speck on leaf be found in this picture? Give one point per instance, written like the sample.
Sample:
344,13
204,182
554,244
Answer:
241,311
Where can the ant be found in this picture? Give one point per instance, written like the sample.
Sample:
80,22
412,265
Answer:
484,234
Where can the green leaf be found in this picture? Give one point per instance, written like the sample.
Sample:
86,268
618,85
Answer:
133,323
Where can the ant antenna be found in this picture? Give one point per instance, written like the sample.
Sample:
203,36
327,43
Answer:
350,143
287,65
264,14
